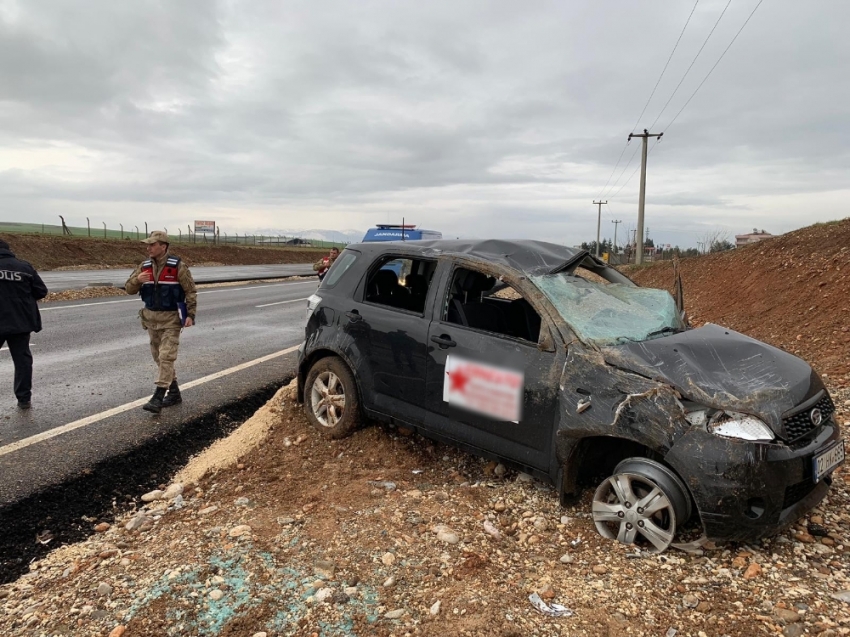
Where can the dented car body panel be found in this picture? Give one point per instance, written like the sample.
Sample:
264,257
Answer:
723,369
584,399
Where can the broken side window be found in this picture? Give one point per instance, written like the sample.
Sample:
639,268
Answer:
482,302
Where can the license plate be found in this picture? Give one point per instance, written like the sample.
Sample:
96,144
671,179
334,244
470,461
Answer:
824,462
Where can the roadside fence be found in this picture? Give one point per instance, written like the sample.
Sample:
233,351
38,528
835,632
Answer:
175,235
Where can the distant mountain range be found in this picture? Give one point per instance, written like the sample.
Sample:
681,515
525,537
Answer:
336,236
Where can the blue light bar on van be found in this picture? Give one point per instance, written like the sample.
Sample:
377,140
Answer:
388,232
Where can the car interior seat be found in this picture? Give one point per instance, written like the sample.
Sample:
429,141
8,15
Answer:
418,288
385,288
467,306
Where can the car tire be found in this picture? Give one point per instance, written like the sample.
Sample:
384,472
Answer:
641,503
330,398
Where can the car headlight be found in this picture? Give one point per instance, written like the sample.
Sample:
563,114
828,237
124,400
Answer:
731,424
312,304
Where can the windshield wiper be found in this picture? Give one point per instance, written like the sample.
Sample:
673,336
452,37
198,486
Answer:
664,330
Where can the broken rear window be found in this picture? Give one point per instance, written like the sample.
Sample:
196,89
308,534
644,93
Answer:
611,313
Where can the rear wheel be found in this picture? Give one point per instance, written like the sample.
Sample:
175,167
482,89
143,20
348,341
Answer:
331,400
641,503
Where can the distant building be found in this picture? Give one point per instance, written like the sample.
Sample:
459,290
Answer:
753,237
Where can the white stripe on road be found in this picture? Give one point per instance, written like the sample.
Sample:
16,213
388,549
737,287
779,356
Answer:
282,302
58,431
135,300
67,307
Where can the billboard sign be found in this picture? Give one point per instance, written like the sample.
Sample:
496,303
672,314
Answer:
205,226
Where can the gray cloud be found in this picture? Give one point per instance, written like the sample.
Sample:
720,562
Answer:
473,118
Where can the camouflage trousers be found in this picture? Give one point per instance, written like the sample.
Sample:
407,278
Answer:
164,333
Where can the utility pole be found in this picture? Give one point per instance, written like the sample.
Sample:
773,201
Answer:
644,136
598,223
616,223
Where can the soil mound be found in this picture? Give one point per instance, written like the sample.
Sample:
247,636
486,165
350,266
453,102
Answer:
52,253
791,291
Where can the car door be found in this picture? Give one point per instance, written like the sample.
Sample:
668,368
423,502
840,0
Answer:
387,325
489,383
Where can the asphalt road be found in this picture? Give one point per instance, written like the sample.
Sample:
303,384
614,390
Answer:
57,281
93,361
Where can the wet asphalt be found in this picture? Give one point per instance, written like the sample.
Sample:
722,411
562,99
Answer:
92,356
57,281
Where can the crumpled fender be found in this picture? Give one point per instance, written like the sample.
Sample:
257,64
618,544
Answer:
622,405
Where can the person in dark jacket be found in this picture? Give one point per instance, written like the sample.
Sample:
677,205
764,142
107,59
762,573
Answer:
20,289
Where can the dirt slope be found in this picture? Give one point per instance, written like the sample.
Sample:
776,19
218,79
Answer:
388,535
47,252
792,291
384,534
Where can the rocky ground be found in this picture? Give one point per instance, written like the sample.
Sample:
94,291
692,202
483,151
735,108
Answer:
390,534
276,531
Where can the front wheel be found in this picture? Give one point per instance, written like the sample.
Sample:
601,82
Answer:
641,503
331,400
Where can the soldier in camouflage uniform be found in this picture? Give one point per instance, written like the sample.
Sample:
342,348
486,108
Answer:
324,264
165,285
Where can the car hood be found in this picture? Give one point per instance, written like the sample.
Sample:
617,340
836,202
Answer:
723,369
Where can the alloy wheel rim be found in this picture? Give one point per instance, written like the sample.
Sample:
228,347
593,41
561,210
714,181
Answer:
327,398
632,509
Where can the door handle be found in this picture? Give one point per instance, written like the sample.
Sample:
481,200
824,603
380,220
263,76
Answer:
354,316
443,341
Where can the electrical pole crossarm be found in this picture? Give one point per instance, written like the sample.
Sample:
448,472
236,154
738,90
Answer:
645,134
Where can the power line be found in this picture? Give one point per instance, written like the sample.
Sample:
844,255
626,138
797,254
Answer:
623,152
716,63
665,66
625,168
636,169
675,90
729,46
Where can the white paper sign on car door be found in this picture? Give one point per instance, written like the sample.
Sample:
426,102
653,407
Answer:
484,389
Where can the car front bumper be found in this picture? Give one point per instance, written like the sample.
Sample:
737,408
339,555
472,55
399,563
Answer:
747,490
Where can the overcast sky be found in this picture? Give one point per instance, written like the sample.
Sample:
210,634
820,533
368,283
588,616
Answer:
477,119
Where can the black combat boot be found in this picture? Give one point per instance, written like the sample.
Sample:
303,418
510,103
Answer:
154,405
173,396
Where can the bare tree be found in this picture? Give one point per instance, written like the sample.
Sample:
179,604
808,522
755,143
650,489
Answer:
712,239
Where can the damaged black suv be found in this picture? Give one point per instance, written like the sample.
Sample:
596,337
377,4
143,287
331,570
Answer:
548,359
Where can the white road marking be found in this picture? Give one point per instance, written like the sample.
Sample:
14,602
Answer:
136,300
282,302
67,307
58,431
255,287
5,348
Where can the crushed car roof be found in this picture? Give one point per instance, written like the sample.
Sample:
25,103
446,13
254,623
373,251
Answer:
534,258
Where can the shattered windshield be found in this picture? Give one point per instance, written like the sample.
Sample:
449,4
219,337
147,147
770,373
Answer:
612,313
